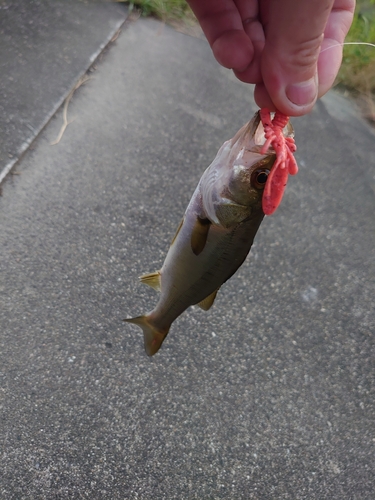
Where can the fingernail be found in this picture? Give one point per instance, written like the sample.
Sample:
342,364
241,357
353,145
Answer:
302,93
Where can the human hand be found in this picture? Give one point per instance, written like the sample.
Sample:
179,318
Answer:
291,49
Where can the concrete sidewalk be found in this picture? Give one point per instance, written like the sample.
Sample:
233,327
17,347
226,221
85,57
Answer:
45,47
270,394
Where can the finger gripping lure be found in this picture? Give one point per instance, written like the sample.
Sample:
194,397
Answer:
285,163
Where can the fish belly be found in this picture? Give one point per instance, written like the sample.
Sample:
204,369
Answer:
187,279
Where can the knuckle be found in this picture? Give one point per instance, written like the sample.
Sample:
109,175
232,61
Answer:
306,53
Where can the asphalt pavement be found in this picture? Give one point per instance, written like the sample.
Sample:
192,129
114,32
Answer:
271,393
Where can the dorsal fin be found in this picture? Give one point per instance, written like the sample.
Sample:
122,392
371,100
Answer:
199,235
206,303
152,280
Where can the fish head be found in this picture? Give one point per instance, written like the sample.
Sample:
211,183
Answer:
248,178
235,181
247,169
250,163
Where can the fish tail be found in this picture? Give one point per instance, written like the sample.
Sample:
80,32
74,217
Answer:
153,337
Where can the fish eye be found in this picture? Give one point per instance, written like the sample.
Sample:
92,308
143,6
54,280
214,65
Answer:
260,177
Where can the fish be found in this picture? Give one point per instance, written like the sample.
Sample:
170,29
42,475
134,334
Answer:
216,232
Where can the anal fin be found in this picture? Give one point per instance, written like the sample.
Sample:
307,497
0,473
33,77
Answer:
152,280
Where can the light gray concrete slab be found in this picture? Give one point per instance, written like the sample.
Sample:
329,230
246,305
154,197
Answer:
45,46
269,395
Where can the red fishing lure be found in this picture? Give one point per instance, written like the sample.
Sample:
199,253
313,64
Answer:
285,163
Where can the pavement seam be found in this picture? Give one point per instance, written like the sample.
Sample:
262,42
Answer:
111,38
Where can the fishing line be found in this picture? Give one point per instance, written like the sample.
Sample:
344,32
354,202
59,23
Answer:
347,43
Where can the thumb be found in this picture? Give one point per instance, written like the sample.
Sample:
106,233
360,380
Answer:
289,65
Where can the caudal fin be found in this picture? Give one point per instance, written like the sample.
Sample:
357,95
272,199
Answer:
153,338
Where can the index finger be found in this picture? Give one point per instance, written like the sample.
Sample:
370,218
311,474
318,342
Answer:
222,22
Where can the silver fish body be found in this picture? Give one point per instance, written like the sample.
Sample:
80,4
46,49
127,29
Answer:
215,234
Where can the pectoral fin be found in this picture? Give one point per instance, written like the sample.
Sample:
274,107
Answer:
152,280
206,303
199,235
